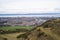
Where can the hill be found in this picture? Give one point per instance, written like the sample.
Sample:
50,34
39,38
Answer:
50,30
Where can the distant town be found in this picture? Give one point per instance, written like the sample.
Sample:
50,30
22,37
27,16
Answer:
23,21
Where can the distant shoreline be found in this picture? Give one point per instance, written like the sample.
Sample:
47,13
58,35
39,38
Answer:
32,15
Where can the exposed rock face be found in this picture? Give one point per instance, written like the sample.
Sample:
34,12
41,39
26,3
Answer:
49,30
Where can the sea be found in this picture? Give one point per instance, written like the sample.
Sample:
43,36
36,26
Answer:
31,15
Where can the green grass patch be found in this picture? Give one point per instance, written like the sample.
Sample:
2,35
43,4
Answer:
15,27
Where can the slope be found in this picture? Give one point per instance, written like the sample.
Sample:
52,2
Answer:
49,30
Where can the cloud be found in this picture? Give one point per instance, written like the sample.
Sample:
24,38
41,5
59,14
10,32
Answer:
29,6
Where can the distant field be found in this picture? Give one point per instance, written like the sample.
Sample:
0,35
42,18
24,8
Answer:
13,35
15,27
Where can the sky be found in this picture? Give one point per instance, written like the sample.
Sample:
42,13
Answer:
29,6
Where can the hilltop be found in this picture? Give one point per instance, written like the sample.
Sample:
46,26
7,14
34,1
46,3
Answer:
50,30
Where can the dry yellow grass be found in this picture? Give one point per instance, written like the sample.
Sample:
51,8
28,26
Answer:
49,32
11,36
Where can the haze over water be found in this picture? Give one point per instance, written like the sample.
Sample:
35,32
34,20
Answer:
32,15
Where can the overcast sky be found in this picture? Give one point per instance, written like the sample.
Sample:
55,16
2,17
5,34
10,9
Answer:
29,6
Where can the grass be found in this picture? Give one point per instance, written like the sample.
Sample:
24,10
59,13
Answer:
14,28
49,32
50,29
10,36
46,28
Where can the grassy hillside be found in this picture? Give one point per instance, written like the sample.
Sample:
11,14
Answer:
49,30
11,36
